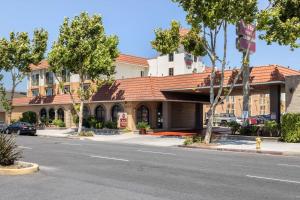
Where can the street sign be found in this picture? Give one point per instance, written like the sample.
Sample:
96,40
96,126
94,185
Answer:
246,37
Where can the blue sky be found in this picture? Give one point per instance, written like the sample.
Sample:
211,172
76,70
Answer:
133,21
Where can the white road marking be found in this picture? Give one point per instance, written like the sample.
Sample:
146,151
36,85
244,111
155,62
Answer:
156,152
47,168
287,165
23,147
71,144
109,158
273,179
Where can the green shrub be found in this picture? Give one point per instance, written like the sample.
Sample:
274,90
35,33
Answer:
86,133
290,127
29,117
98,125
234,127
271,128
143,125
110,125
250,130
193,139
92,121
9,152
59,123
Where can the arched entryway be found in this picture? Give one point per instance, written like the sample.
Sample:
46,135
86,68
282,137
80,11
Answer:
61,114
117,108
142,114
86,112
51,114
100,113
43,115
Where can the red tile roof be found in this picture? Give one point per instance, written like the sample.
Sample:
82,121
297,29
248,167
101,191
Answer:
153,88
123,58
183,32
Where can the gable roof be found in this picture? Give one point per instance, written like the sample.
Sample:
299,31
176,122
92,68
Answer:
123,58
155,88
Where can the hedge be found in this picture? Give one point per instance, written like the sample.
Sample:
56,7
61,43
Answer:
290,127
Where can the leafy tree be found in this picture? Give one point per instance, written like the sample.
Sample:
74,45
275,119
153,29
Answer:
17,53
83,48
281,22
208,19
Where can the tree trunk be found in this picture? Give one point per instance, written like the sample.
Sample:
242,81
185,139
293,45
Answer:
209,125
246,87
80,117
11,100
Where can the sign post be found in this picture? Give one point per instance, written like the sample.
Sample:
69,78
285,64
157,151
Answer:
245,43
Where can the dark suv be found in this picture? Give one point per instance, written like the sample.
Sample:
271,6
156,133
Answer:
21,128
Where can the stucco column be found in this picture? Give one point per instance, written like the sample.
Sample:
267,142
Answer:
275,93
129,109
167,118
199,116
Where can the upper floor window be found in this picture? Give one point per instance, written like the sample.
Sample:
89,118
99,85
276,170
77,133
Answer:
86,87
171,71
66,75
86,77
195,59
35,80
66,89
49,91
171,57
35,92
49,78
142,73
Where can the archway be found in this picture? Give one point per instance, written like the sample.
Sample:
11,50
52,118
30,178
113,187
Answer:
117,108
142,114
100,113
61,114
43,115
51,115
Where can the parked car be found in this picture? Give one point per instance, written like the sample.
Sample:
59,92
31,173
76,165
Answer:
21,128
2,126
224,118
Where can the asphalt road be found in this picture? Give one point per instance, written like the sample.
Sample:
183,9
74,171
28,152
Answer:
86,170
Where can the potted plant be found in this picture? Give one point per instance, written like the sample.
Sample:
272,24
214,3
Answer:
143,127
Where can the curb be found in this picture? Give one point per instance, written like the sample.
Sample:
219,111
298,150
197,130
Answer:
278,153
28,170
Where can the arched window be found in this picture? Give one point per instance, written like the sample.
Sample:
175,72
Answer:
100,113
142,114
43,115
86,112
61,114
51,115
114,112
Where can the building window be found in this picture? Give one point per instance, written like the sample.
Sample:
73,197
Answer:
49,78
195,59
86,112
171,71
51,115
142,114
49,91
171,57
43,115
100,113
86,77
142,73
86,87
66,89
61,114
35,93
66,75
35,80
262,104
114,112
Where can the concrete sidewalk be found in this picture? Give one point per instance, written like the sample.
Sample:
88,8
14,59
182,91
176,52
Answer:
267,147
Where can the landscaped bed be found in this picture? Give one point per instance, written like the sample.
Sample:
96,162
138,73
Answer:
9,156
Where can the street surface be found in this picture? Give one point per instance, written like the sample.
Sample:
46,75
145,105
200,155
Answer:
89,170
